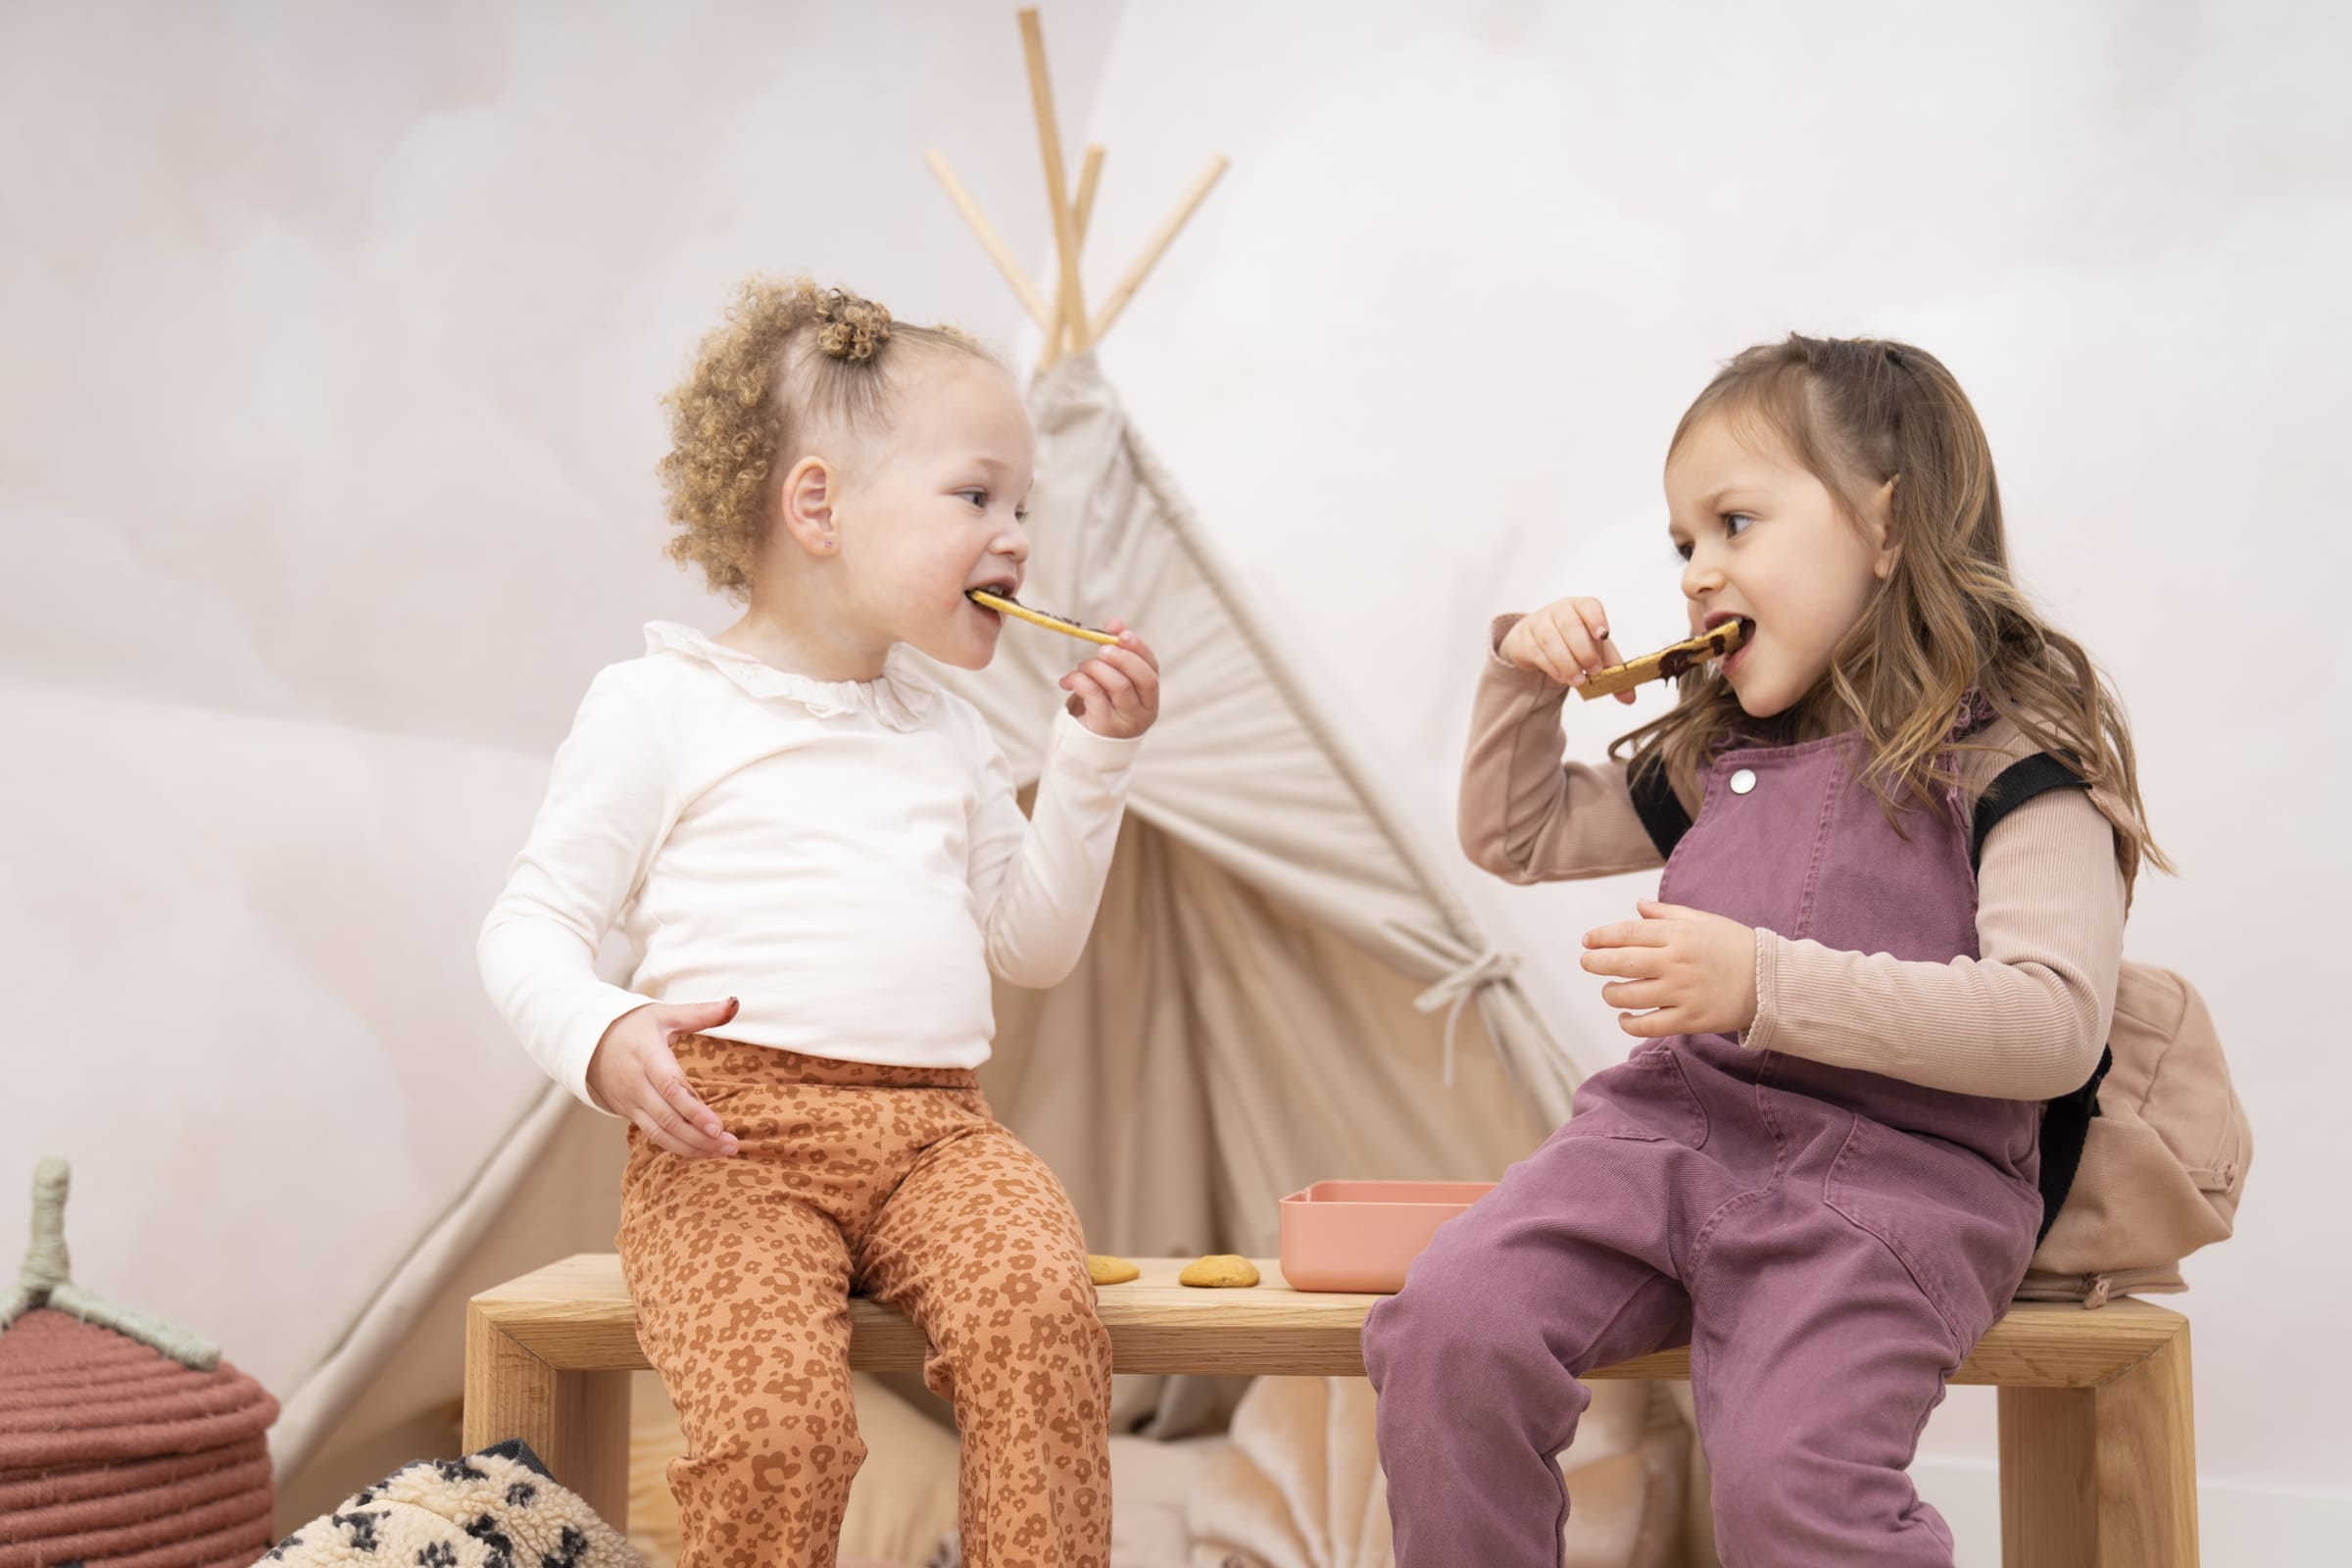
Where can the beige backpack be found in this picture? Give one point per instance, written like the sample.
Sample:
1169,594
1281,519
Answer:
2143,1164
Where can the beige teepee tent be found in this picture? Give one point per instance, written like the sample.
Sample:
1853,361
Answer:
1282,986
1278,973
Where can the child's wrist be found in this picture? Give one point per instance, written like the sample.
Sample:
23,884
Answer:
1073,731
1498,633
1757,1033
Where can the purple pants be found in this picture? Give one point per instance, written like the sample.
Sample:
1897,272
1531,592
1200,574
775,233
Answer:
1829,1242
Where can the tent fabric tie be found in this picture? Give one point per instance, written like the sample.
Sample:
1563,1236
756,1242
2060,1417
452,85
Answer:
1455,992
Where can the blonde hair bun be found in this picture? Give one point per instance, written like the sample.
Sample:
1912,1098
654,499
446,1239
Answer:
848,327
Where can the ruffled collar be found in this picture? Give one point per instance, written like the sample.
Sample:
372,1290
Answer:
900,697
1974,713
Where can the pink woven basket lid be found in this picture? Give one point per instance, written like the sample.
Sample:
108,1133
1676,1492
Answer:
73,1393
123,1441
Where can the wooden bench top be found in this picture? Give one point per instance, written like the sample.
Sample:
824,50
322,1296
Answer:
575,1315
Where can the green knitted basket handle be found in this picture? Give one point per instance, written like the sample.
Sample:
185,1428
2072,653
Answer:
47,1281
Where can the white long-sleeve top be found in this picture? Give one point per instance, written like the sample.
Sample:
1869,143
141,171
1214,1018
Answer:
848,858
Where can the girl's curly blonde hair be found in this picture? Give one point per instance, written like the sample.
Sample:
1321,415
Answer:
789,360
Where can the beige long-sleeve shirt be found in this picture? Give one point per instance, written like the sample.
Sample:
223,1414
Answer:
2024,1020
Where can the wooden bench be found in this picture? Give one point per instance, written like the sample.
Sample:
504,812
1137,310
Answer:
2099,1456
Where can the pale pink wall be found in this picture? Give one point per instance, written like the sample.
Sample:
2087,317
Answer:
331,341
1419,357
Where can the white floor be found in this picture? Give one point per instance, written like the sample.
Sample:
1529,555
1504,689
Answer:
2238,1525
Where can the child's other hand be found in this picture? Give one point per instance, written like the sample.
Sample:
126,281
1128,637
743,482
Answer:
1567,640
634,1074
1696,971
1116,693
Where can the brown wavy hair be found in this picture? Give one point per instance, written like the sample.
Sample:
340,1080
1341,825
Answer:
1950,620
788,362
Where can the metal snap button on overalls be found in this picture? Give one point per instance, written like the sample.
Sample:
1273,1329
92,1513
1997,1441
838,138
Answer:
1743,781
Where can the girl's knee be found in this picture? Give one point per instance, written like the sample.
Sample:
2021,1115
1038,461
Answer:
1029,1322
1055,1329
803,1459
1434,1317
1800,1505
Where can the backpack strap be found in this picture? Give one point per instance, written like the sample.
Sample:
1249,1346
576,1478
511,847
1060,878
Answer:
2019,782
2066,1120
1655,801
2065,1128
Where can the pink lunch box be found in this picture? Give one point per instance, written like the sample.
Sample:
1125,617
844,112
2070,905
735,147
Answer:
1360,1237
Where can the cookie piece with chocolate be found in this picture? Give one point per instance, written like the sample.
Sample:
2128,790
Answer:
1719,642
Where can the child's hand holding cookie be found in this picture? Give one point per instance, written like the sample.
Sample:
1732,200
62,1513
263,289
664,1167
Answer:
1567,640
1116,694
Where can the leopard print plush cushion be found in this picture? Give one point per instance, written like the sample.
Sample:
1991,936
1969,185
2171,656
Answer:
497,1509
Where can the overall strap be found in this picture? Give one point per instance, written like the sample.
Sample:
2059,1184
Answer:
2066,1120
1655,803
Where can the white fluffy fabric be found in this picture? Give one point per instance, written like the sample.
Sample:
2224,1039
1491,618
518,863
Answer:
1301,1485
497,1509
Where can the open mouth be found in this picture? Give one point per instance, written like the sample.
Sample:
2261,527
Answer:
987,597
1748,636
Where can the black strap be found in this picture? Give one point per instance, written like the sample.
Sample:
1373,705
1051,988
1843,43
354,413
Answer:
2018,783
1655,801
2066,1120
2065,1128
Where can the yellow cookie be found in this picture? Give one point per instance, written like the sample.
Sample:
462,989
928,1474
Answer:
1222,1269
1109,1271
1004,604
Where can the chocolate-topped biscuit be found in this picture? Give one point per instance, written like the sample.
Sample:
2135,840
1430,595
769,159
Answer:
1680,658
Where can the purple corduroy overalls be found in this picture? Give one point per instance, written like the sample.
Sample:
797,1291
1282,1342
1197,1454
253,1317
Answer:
1829,1242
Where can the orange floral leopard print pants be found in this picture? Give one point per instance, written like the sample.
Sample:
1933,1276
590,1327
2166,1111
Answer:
895,1183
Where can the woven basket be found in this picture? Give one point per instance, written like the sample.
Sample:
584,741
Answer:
123,1442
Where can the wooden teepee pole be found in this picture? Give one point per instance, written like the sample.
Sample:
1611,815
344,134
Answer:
1090,175
1119,295
1071,302
1063,318
989,242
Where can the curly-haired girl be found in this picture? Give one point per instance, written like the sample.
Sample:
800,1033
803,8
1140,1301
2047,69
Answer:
816,858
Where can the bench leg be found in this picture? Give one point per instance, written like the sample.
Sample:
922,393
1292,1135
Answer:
2103,1476
576,1422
